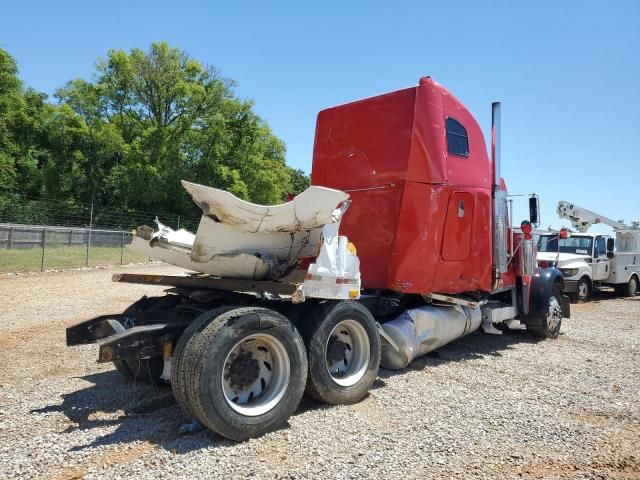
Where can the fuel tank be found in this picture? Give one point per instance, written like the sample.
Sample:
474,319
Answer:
420,330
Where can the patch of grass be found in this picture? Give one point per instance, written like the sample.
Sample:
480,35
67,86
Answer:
29,260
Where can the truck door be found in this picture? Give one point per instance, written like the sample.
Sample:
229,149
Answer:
600,261
456,243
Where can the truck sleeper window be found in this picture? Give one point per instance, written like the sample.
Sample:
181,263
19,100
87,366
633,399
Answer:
457,141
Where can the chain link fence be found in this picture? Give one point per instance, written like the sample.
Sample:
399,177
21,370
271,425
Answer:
39,234
38,248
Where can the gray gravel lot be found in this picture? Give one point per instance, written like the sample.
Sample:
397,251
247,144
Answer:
485,406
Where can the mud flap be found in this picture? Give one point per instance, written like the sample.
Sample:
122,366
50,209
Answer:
565,303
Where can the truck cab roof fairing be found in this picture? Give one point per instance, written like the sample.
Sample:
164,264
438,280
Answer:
390,153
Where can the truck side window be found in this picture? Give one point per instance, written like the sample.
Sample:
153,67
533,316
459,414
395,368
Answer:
601,247
457,140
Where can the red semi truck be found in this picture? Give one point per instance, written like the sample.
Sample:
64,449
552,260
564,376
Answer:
425,254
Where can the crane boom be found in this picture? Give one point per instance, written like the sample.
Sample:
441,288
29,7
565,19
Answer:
581,218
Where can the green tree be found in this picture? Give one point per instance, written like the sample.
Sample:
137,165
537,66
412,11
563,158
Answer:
299,181
176,119
127,137
10,93
23,114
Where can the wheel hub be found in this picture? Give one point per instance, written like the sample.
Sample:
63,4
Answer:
336,350
583,290
256,374
347,352
555,313
244,370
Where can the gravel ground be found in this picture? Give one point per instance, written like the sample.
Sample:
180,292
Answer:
484,406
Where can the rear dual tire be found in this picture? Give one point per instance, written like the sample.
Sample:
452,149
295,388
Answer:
240,372
343,348
181,363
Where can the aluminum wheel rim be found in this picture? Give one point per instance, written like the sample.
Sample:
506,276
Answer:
583,290
633,286
273,373
555,313
350,369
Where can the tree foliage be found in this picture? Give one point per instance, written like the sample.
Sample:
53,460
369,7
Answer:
23,114
128,136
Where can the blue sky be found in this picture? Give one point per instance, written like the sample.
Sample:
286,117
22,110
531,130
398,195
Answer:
567,72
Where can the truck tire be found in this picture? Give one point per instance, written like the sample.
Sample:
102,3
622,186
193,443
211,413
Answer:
583,291
549,325
630,288
343,350
247,372
178,361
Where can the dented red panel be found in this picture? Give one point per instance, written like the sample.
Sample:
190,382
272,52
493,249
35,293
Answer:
473,272
418,265
363,149
427,158
416,249
365,143
390,153
371,226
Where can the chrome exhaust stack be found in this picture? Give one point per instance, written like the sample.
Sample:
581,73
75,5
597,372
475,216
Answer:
500,211
495,143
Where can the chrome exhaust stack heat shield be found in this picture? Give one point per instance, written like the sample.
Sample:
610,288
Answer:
420,330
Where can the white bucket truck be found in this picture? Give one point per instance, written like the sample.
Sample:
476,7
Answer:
589,261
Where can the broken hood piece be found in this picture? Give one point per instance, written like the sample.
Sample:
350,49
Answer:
239,239
168,238
313,208
239,265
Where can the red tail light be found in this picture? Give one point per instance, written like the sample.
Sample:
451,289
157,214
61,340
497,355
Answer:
543,264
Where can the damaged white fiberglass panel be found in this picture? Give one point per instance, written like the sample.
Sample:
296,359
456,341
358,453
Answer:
239,239
230,266
215,238
313,208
